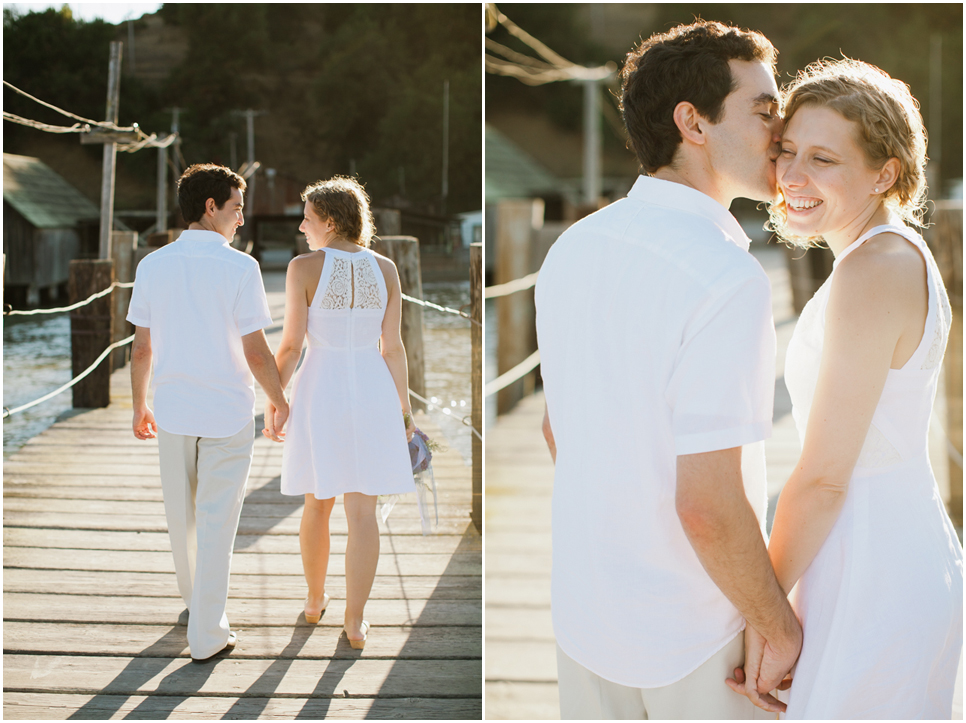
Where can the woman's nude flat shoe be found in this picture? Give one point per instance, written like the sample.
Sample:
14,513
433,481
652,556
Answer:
314,619
359,644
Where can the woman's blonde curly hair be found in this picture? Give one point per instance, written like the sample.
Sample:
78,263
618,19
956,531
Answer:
344,202
888,122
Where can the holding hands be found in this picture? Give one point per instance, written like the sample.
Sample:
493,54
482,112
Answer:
766,668
275,418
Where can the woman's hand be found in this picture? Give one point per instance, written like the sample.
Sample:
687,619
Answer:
410,425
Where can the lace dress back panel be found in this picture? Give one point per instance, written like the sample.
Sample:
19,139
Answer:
346,432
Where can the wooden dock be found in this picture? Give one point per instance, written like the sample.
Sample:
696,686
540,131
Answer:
94,626
521,664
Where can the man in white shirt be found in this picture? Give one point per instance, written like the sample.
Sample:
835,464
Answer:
657,348
199,309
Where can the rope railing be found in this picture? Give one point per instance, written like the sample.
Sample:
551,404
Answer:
511,287
72,382
429,404
79,304
431,305
511,375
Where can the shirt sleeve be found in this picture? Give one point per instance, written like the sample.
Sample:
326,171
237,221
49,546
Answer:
722,388
251,305
138,311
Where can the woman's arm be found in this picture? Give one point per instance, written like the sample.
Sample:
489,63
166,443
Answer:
876,308
293,333
390,342
296,319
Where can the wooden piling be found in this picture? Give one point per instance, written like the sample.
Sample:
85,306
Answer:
946,240
517,338
807,271
123,245
90,330
476,376
404,252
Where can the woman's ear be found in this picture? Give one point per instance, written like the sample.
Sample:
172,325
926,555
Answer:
888,175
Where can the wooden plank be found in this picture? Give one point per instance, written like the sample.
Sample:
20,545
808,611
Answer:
359,676
281,587
53,706
242,563
158,541
241,612
248,525
302,641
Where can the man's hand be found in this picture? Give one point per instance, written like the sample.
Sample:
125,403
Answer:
548,434
275,419
755,680
144,425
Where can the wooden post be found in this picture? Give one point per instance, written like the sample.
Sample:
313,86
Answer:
404,252
122,248
807,271
947,245
110,152
90,330
476,376
517,335
161,220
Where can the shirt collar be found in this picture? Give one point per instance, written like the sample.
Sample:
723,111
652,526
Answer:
192,236
683,198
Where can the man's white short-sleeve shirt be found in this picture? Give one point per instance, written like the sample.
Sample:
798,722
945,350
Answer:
199,297
656,340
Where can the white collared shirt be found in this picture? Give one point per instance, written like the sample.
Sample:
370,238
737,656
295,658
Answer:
656,340
199,297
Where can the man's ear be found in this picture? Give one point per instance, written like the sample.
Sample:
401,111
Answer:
690,123
210,206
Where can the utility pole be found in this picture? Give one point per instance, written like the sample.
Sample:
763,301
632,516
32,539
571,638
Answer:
445,143
175,128
110,153
250,127
592,142
162,214
934,167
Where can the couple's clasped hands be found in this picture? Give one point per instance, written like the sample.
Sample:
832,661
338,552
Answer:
275,419
766,669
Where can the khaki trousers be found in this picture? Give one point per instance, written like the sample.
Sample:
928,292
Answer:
701,695
203,482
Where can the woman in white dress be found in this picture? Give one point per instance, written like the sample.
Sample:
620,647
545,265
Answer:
346,433
861,532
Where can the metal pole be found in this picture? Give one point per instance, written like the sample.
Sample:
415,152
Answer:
445,143
110,153
176,154
250,193
592,182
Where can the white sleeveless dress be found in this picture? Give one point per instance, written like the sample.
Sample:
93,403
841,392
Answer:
346,431
881,604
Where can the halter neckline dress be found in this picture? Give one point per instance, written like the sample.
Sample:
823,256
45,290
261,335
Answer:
881,604
345,432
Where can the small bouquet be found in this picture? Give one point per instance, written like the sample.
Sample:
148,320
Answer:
421,449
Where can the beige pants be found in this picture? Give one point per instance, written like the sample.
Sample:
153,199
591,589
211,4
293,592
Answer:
701,695
203,482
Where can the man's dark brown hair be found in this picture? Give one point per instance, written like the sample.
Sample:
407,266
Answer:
203,181
687,63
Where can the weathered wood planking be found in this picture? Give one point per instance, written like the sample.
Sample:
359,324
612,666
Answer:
95,628
25,706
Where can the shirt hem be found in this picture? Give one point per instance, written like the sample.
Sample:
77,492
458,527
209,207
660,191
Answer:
138,321
255,326
723,439
635,684
193,433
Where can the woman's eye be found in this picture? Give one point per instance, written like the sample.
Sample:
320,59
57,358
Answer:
786,152
822,160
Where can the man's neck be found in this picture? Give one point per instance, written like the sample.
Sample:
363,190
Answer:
200,226
698,179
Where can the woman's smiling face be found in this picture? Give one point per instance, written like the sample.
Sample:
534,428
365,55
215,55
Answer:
823,174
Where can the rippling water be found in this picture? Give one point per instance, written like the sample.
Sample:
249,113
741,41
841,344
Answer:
36,360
